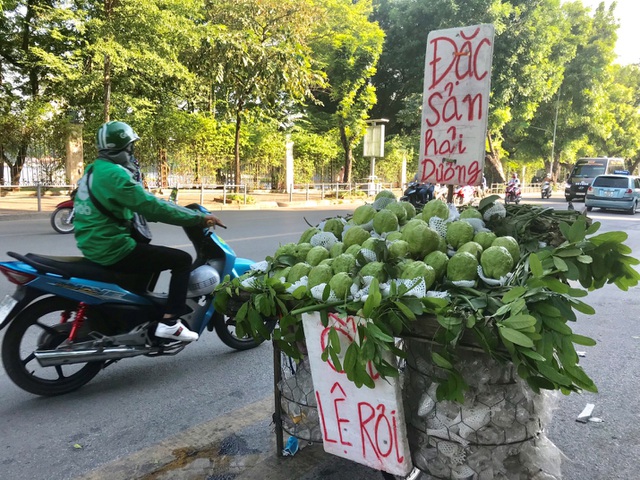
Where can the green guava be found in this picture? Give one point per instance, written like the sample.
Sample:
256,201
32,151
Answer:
399,211
485,239
326,261
459,233
336,249
344,263
353,250
420,269
421,239
438,261
374,269
382,202
442,244
355,236
410,209
302,250
335,226
399,249
393,236
319,274
340,283
471,212
496,262
510,244
371,243
435,208
280,273
298,271
472,247
316,255
385,221
307,234
385,194
363,214
462,266
286,249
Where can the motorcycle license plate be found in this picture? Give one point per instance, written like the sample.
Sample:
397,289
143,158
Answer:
6,306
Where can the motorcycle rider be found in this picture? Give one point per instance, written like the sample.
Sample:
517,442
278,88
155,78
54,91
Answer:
108,242
514,180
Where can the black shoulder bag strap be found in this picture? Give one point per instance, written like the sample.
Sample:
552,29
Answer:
138,227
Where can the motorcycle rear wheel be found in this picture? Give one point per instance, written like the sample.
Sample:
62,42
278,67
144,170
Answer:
39,327
226,329
60,220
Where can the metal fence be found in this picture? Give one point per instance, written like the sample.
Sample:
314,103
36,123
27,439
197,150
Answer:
41,197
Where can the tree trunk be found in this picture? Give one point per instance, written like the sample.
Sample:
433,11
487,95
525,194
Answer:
16,168
107,87
2,160
236,151
348,153
492,160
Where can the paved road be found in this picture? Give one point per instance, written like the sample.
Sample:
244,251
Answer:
138,402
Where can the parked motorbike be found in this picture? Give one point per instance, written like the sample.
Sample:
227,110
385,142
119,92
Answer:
412,194
70,318
512,194
62,216
464,195
545,190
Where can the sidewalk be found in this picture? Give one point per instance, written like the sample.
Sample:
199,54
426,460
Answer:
240,445
24,205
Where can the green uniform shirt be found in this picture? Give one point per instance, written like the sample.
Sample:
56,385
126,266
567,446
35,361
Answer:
105,240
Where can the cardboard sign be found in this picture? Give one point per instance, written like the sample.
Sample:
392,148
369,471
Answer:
361,424
457,83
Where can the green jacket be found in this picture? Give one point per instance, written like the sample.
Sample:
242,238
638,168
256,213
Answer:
104,240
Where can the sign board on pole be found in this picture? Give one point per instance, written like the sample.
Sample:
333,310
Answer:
374,141
361,424
457,83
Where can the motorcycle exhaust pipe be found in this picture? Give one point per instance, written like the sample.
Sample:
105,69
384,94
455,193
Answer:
53,358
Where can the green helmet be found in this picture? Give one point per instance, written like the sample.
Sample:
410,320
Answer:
115,136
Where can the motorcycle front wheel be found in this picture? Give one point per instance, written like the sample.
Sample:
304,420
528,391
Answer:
226,329
38,327
62,220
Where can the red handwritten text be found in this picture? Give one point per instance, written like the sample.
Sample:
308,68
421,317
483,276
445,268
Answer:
463,59
441,171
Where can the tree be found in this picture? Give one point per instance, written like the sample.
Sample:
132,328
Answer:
580,103
257,58
527,62
347,46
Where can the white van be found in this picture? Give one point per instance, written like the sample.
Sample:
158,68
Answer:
585,170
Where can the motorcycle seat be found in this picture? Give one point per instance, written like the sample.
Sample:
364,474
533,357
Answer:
75,266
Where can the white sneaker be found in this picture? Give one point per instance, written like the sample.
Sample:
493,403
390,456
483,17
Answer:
175,332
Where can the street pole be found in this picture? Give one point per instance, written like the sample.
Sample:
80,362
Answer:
555,126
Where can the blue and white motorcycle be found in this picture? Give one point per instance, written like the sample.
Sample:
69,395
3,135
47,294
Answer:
69,318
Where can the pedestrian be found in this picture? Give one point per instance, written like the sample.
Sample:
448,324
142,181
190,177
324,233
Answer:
340,176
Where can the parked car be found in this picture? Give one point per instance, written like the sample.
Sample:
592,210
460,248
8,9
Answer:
585,170
615,192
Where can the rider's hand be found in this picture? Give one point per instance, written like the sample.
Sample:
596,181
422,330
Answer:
211,221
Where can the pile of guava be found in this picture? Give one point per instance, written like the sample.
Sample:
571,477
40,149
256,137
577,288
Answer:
389,241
